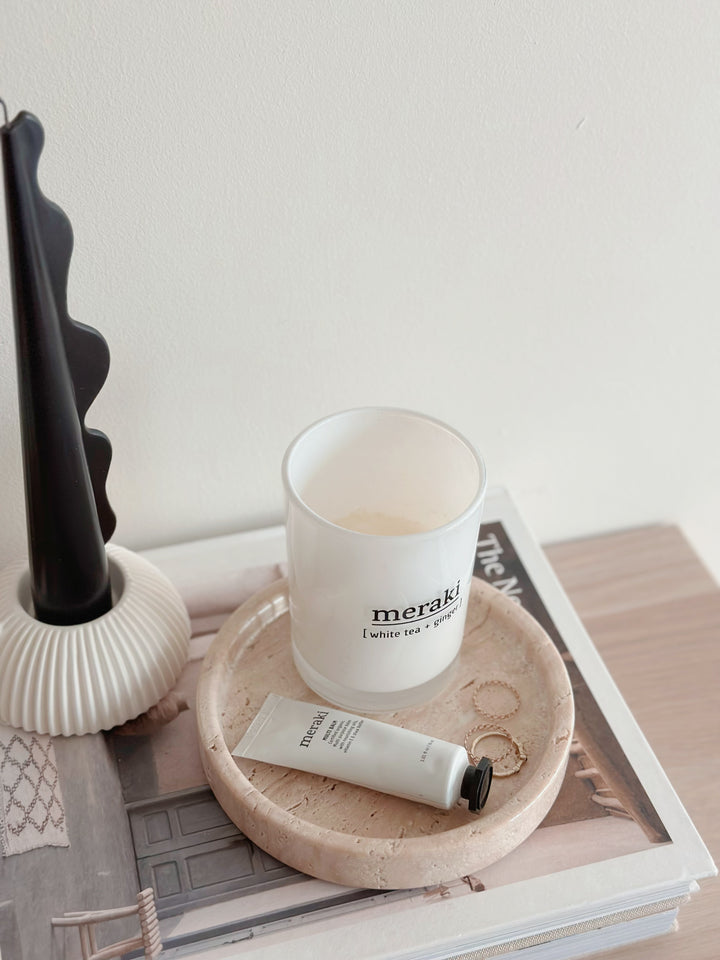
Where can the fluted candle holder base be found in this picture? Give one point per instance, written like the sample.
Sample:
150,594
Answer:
91,676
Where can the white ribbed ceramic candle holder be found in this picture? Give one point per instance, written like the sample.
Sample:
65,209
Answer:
91,676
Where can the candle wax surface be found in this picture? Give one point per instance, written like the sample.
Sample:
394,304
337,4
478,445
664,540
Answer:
380,524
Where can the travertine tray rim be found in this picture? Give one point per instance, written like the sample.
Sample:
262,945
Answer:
343,857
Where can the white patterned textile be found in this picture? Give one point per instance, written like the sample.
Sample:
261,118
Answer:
31,808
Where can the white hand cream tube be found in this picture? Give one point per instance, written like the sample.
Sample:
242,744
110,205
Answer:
367,752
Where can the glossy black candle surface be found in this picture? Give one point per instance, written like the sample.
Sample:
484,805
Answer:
61,367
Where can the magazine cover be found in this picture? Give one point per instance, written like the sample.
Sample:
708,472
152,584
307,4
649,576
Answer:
616,844
603,814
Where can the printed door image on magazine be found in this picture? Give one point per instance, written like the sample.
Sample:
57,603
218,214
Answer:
213,885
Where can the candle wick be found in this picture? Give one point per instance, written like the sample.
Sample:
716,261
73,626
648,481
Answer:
4,111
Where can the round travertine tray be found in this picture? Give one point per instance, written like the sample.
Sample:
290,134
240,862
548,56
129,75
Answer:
358,837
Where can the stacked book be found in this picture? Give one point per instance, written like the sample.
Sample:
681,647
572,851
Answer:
611,864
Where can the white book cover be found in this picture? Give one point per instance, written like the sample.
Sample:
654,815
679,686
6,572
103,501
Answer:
616,845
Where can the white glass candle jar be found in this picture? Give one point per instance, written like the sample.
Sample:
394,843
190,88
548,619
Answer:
383,511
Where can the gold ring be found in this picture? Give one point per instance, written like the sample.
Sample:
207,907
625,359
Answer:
497,683
478,734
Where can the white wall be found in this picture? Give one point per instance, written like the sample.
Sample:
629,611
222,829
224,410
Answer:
506,214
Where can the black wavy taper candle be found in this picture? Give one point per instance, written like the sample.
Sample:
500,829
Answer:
61,366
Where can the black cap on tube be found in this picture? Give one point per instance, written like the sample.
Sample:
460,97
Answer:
475,785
